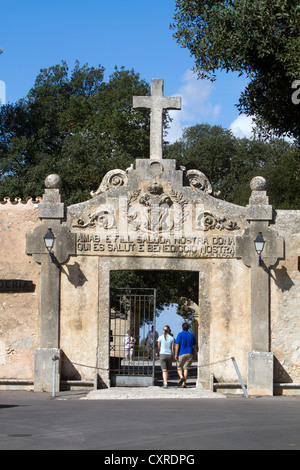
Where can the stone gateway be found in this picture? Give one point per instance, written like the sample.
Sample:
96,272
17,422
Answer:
152,216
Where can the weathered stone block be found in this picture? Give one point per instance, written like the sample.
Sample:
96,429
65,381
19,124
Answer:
260,373
259,212
43,369
48,210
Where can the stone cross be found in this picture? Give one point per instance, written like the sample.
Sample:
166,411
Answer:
157,102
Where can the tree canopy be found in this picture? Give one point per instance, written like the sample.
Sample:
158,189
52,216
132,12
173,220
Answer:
230,163
74,124
258,38
172,287
79,126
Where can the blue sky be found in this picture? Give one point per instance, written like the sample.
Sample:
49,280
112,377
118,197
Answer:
135,34
169,317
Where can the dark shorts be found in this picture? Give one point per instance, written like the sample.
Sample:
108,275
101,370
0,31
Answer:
165,361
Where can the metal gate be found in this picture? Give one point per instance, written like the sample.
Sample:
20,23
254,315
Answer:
132,323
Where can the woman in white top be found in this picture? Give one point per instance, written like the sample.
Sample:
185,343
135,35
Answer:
129,342
166,352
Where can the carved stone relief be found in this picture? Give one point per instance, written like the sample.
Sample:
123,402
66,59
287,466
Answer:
198,180
112,179
155,211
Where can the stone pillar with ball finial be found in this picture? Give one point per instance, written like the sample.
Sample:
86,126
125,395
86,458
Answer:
52,215
260,216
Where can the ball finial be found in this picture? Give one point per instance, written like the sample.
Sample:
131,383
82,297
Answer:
53,182
258,184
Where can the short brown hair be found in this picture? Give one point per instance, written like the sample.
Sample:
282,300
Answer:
185,326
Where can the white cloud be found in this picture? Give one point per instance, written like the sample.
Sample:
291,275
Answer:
196,105
242,126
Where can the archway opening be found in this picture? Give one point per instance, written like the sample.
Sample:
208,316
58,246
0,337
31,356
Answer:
176,302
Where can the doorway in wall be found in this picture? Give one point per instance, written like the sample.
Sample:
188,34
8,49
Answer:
132,319
142,302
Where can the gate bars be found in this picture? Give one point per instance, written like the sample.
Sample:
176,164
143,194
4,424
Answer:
132,316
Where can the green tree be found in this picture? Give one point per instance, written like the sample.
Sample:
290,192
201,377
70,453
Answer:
258,38
206,148
73,124
230,164
171,286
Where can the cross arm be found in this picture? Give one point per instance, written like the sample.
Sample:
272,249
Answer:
146,102
172,102
142,102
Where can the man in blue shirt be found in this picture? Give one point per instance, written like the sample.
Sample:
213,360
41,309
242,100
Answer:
185,352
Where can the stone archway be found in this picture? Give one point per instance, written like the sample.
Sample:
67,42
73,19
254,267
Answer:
154,216
158,221
116,264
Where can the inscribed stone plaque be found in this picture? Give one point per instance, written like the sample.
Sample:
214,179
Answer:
187,247
16,285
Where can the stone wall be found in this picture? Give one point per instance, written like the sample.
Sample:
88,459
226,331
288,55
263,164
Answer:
224,299
79,318
19,310
285,301
230,318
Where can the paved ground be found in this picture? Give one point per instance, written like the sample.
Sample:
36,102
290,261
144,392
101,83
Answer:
151,393
185,425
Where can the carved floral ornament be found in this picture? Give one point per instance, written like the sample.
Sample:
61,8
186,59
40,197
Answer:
207,221
103,218
198,180
116,178
155,211
112,179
